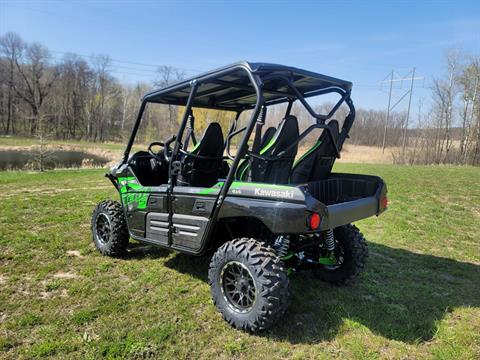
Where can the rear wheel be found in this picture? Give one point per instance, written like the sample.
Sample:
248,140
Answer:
109,228
249,284
351,253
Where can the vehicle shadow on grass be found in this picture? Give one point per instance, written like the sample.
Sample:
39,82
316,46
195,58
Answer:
140,251
197,266
401,296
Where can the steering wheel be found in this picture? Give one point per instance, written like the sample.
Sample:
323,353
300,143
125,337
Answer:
154,154
166,149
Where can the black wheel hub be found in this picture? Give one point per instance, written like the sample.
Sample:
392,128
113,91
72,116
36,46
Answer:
238,286
102,228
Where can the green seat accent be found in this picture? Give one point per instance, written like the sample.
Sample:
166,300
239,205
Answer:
268,146
317,162
312,149
195,147
240,169
244,170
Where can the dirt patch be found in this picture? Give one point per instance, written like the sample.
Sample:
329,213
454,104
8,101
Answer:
476,211
65,275
50,294
74,253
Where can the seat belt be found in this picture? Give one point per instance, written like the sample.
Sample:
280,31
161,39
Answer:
233,127
190,131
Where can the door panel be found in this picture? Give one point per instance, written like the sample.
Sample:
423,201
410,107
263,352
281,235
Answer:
136,222
157,220
158,227
190,218
188,230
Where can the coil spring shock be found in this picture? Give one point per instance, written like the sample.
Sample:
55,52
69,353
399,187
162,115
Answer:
281,245
329,240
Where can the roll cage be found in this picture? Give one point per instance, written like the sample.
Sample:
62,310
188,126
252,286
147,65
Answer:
248,86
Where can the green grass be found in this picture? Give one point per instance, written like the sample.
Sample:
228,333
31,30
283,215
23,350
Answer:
419,298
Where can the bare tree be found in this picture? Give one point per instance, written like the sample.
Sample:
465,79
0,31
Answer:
444,92
33,79
168,75
12,48
41,154
103,90
71,93
469,81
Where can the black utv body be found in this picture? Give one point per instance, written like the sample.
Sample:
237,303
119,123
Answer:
264,213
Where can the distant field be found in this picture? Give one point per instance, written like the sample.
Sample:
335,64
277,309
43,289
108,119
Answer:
419,298
8,142
350,153
366,154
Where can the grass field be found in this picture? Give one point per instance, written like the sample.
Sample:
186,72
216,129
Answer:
419,298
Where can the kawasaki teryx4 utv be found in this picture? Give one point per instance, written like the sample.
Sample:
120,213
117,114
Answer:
262,213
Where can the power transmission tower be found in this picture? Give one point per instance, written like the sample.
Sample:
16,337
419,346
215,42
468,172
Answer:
394,77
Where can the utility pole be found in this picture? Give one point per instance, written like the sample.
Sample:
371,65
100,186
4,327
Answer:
405,130
394,77
388,113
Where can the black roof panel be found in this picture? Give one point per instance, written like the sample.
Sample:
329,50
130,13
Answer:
230,88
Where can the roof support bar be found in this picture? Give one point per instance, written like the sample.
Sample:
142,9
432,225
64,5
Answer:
242,149
134,132
320,117
183,124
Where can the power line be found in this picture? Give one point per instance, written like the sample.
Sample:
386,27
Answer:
126,62
392,77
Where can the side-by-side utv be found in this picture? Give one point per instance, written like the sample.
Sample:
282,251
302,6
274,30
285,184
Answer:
263,211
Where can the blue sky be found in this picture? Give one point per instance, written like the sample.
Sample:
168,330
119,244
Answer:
361,41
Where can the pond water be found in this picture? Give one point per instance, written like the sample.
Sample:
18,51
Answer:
22,159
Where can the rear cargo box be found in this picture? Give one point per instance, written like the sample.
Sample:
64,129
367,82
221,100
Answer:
348,197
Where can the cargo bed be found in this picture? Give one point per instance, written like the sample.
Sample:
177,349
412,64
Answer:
349,197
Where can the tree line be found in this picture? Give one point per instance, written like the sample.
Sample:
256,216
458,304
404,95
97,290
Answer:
75,99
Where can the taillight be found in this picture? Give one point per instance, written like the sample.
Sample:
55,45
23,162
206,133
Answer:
314,221
383,202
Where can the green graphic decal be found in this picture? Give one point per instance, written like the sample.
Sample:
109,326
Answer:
133,193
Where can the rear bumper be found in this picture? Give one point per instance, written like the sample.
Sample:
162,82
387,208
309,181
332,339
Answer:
346,198
348,212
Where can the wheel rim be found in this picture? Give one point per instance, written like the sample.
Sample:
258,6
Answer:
238,286
102,228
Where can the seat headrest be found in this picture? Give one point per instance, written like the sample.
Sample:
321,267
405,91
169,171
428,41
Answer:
333,124
211,143
286,134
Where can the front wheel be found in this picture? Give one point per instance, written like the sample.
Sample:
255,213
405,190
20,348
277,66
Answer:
351,253
109,228
249,284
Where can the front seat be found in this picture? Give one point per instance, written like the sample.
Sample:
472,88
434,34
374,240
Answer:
204,172
276,171
317,162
